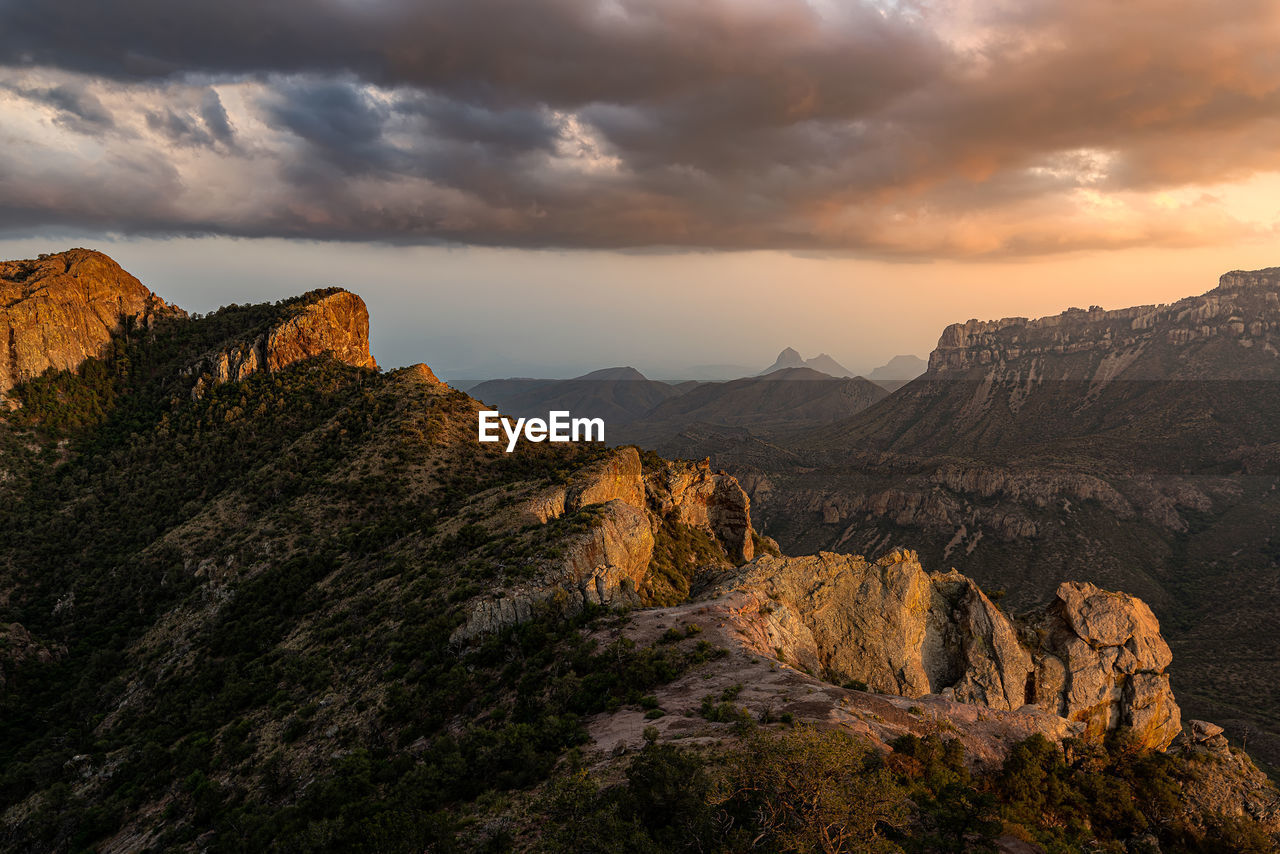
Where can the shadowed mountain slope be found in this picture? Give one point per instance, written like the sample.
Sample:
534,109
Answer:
618,395
785,400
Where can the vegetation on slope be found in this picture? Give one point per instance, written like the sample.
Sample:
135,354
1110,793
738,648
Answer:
252,593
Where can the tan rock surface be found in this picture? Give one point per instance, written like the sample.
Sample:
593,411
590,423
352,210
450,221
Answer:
1100,664
335,322
691,494
59,310
1115,660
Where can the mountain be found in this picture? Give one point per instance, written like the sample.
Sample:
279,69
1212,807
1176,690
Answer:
715,373
782,400
300,607
899,371
827,365
788,358
60,310
618,395
822,363
1143,443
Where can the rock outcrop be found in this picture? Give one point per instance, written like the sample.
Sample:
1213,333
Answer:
604,565
1224,782
691,494
617,476
1244,310
1103,658
608,563
1092,657
59,310
333,321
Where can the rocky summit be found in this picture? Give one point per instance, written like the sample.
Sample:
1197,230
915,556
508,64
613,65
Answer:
59,310
333,321
258,595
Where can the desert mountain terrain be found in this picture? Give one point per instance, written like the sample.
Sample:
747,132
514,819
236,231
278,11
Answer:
257,594
1140,442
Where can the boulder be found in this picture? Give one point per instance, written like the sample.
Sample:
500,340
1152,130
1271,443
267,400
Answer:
1115,660
1095,658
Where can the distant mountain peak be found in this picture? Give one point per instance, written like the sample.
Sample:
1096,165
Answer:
899,370
614,375
791,358
788,358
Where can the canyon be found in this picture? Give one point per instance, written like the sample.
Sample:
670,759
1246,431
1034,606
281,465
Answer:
269,582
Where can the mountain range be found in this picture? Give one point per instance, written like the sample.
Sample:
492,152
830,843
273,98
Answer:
257,594
1138,446
793,393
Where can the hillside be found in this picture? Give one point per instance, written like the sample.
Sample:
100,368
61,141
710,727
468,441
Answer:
1139,442
258,595
785,400
618,395
898,371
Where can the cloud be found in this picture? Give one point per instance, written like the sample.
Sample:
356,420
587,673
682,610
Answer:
916,128
76,109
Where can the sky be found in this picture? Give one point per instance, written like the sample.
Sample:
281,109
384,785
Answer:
543,187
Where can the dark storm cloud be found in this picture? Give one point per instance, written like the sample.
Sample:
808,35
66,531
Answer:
77,109
337,121
894,127
215,118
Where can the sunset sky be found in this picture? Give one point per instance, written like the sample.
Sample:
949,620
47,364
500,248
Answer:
550,186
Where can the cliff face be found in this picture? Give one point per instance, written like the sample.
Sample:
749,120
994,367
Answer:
59,310
1095,658
610,561
1242,314
335,322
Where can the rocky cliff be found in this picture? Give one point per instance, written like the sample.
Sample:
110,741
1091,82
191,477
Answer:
622,508
1092,657
331,321
58,310
1242,315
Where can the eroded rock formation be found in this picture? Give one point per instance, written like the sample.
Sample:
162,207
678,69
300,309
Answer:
692,494
609,562
334,322
1244,310
1092,657
617,476
58,310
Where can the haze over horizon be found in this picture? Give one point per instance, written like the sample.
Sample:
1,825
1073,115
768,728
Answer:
546,188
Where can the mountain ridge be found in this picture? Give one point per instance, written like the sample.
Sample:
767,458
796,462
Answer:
304,608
